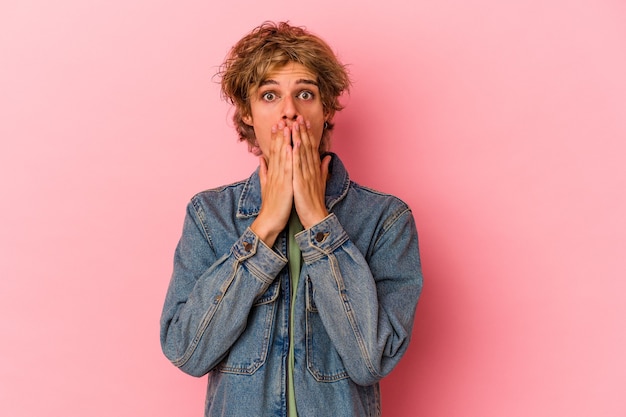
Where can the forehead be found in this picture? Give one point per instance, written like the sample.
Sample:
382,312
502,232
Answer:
292,71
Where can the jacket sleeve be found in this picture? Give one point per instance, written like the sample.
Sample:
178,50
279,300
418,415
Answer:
366,306
210,295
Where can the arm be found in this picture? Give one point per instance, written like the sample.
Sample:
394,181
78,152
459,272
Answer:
209,297
366,306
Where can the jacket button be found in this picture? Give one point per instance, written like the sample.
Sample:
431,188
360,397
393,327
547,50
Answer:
319,236
247,246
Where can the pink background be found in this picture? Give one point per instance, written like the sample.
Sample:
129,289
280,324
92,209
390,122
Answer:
502,124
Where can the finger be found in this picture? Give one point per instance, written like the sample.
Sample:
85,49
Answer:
287,148
279,146
287,136
276,139
271,149
262,171
325,166
280,139
303,132
310,155
297,145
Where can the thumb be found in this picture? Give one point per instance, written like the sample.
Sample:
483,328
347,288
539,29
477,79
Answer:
325,164
262,170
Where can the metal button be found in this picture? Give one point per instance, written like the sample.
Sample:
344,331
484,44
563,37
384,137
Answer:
247,246
319,236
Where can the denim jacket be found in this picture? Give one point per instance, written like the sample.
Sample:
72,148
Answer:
227,307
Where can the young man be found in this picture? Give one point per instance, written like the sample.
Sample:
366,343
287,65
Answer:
295,288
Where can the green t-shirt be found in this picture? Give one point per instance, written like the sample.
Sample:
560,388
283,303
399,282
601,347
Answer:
295,262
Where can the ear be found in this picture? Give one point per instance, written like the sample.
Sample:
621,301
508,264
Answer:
247,119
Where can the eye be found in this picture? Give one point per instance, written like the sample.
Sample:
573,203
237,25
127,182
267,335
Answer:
305,95
268,96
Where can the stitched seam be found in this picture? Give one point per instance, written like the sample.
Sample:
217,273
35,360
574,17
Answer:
206,319
389,222
202,218
350,314
320,253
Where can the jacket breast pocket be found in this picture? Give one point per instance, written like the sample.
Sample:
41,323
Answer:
250,351
323,361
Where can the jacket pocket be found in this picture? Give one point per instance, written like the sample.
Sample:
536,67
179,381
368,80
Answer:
250,351
323,361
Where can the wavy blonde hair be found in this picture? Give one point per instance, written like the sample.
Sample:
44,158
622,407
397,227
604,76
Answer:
270,46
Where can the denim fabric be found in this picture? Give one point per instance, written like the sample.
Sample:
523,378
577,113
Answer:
227,307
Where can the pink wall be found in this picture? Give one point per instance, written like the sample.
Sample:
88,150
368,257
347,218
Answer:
502,124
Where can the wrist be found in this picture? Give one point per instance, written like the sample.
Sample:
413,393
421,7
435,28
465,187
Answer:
267,234
313,219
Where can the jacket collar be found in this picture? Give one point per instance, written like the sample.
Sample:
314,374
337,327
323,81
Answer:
336,189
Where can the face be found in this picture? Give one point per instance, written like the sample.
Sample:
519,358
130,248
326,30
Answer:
287,92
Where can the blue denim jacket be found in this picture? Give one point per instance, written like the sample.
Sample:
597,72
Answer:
227,306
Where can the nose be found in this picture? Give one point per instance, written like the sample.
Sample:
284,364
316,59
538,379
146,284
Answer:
290,110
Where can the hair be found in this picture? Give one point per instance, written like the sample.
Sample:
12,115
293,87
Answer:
271,46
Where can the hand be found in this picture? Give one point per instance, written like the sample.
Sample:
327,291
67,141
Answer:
309,175
276,176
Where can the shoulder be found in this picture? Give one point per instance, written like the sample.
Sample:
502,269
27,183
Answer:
366,208
371,198
357,198
218,198
226,189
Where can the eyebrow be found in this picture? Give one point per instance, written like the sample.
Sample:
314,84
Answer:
299,81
